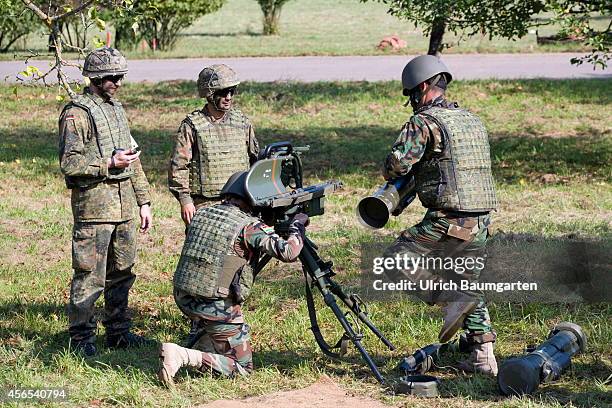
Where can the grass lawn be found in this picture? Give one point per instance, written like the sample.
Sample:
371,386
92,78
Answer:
319,27
552,153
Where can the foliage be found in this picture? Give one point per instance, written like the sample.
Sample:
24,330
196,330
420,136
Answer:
574,17
53,15
504,18
159,21
510,19
271,10
15,23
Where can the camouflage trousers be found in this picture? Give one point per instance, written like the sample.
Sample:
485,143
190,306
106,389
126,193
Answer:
442,235
102,258
221,334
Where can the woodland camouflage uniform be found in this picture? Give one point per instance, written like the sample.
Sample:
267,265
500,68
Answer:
454,182
431,236
208,150
187,154
224,337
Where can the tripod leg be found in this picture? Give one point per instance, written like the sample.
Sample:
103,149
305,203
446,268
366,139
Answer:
311,268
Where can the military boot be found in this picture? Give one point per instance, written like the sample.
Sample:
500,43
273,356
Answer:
455,312
481,360
86,349
125,340
173,357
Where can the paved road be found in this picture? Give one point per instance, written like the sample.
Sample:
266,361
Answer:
370,68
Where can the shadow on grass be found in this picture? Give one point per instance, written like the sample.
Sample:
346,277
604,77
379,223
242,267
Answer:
483,388
48,344
595,90
353,150
144,360
282,95
282,361
16,311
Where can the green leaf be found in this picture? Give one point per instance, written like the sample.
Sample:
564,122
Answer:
97,42
30,71
101,24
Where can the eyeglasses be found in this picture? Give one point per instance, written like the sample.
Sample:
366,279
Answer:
226,91
114,78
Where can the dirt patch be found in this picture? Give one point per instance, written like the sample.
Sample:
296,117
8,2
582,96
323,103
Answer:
320,394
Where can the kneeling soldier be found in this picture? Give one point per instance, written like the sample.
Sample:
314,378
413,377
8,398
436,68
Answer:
214,277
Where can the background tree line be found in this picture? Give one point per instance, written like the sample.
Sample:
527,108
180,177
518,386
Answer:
134,21
509,19
159,23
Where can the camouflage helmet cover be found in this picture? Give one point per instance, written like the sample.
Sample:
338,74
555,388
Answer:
420,69
103,62
236,185
215,77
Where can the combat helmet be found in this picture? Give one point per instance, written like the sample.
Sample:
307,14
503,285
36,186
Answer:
105,61
420,69
214,78
236,185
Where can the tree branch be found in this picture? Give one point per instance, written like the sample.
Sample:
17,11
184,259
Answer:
73,12
43,16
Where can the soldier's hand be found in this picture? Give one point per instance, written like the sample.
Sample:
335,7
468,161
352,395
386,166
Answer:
302,219
146,218
123,158
187,212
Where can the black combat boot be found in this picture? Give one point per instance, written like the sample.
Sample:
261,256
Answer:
127,339
86,349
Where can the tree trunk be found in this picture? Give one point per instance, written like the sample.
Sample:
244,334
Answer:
57,28
118,38
11,41
271,21
436,36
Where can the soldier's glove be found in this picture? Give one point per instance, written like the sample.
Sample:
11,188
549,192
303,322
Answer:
301,218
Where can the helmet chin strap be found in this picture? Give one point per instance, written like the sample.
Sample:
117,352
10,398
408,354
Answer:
213,101
416,98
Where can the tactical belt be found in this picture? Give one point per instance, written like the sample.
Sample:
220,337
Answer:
458,214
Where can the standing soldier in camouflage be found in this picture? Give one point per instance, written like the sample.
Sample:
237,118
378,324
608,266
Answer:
214,277
99,159
212,143
447,150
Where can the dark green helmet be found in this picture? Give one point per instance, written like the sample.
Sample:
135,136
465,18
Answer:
214,78
420,69
236,185
103,62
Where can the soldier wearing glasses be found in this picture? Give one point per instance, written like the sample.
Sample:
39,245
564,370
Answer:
212,143
100,162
